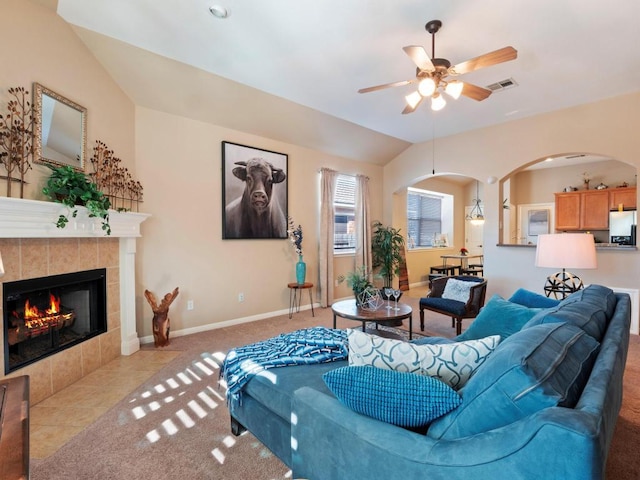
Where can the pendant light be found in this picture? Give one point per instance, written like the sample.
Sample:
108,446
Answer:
476,217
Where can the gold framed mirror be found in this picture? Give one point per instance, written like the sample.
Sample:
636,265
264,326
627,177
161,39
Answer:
60,132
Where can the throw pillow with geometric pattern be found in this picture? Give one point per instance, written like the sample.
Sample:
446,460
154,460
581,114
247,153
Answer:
454,363
387,353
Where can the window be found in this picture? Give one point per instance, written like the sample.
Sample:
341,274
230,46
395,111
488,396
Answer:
344,208
429,218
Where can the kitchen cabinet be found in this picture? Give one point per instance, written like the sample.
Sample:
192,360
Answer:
625,196
582,210
568,211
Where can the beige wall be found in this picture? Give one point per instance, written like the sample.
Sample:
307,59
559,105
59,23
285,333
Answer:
538,186
40,47
606,128
179,163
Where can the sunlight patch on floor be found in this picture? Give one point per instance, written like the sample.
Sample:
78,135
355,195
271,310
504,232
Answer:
184,417
204,400
218,455
197,409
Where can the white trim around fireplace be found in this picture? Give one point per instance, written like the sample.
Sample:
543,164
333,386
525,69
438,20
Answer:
20,218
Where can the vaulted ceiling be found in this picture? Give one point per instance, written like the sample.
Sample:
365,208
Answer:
290,69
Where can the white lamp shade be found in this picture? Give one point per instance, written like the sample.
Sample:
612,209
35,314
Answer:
438,102
566,250
454,88
413,99
426,87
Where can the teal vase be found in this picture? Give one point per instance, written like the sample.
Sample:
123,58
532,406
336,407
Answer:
301,271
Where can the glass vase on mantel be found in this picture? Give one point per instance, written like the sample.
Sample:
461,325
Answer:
301,270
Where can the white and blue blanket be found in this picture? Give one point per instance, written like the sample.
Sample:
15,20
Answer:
302,347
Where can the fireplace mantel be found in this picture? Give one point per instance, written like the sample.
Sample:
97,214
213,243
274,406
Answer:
20,218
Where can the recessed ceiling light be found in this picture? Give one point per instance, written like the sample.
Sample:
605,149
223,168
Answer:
219,11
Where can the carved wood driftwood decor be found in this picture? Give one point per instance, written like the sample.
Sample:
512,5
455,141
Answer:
160,322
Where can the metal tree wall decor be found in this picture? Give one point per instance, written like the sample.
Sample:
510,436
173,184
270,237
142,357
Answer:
16,138
114,180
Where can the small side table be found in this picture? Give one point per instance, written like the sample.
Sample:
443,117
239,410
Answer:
295,292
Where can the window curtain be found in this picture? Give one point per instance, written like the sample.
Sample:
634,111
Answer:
363,224
327,221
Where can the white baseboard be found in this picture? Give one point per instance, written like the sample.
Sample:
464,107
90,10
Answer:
226,323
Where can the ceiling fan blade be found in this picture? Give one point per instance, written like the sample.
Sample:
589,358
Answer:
387,85
475,92
420,57
493,58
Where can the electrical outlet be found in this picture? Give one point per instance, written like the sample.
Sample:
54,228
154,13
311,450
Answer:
189,304
241,297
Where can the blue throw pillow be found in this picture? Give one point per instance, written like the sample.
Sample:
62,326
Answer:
400,398
531,299
540,367
498,317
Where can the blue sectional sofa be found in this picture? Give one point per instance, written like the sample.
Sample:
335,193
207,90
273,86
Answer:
543,405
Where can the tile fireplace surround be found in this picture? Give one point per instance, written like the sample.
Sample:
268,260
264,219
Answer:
32,246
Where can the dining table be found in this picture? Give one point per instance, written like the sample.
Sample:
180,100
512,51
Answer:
463,259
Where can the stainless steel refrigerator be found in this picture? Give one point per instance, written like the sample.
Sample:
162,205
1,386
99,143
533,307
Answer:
622,227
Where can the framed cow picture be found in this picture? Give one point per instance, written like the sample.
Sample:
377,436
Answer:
254,192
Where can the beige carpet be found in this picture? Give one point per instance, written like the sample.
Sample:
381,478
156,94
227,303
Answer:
176,425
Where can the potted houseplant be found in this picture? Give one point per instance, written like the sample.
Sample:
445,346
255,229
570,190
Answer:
358,280
72,188
386,251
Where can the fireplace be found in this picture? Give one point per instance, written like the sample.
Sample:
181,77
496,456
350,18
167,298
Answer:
46,315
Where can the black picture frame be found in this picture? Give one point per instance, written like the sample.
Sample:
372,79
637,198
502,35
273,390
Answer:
266,216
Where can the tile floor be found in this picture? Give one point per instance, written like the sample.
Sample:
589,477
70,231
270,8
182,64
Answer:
58,418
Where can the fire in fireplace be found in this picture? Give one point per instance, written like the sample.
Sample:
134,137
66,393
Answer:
45,315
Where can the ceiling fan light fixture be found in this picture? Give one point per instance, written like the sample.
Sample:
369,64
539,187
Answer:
454,89
426,87
413,99
438,102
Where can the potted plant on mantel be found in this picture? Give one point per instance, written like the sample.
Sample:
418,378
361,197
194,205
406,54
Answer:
72,188
386,251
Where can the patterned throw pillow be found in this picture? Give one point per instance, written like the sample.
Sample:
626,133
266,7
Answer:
454,363
457,290
399,398
387,353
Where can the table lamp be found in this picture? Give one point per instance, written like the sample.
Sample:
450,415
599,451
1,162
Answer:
565,250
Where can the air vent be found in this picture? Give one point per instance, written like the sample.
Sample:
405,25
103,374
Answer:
580,155
502,85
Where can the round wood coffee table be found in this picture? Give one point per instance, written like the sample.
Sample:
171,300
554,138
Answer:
347,309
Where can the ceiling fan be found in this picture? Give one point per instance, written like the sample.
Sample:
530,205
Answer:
433,75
